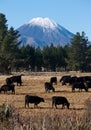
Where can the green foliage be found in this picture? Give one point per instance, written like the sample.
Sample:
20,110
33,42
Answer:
54,57
3,27
78,52
9,45
38,58
27,57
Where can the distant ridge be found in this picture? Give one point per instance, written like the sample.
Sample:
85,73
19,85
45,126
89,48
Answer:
43,31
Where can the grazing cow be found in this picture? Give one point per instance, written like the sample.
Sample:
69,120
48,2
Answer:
49,86
65,79
8,87
13,79
33,99
53,80
58,100
79,85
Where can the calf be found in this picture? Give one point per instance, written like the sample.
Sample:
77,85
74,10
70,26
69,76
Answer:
58,100
48,87
8,87
53,80
33,99
13,79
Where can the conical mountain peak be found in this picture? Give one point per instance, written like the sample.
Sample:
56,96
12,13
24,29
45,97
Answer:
43,31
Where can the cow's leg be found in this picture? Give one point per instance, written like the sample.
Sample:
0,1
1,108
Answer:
62,106
73,89
55,106
28,105
35,105
52,104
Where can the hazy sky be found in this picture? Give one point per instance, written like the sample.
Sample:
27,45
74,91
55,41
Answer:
74,15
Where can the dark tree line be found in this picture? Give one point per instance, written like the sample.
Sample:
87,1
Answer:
76,56
49,58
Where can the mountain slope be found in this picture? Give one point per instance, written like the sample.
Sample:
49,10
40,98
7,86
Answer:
43,31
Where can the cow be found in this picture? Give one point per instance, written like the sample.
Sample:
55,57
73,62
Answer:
53,80
14,79
33,100
65,79
79,85
8,87
48,87
60,100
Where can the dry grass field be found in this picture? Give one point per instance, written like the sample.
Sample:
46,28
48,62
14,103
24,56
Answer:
33,84
45,117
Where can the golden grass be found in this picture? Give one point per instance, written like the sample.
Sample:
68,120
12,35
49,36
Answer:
34,85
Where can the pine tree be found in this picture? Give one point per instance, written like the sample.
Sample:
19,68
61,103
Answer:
79,52
3,27
38,58
9,45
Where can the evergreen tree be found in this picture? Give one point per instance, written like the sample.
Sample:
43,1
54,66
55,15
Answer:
61,57
46,61
9,45
10,48
52,57
3,27
78,52
28,57
88,58
38,58
68,58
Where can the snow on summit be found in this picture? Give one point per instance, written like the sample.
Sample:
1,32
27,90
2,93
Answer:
43,22
43,31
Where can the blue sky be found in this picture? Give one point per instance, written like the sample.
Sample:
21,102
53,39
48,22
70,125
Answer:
74,15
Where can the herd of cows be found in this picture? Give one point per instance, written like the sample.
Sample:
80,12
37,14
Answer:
80,83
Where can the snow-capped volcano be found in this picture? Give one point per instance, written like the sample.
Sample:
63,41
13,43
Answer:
43,31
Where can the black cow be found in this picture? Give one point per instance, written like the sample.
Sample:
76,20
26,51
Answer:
33,99
48,87
65,79
53,80
14,79
59,100
79,85
8,87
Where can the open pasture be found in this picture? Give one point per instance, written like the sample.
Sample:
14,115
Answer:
33,84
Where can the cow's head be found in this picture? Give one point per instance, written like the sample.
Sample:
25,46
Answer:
68,105
42,100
